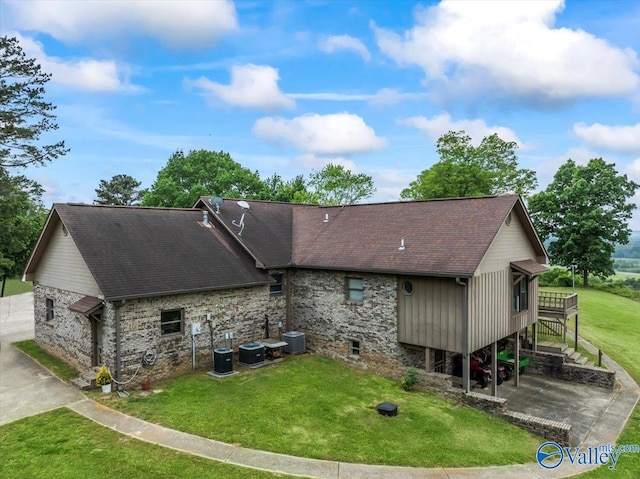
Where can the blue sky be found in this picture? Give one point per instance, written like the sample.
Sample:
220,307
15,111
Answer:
290,86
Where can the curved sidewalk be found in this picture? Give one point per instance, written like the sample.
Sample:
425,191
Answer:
606,431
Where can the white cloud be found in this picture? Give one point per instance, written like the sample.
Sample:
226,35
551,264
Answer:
86,74
622,139
252,86
477,129
329,96
391,96
512,50
315,162
333,134
178,23
338,43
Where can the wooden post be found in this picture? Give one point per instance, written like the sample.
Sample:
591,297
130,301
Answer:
494,369
576,332
466,370
427,360
535,336
516,357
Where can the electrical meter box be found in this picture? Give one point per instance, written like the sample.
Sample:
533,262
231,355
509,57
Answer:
196,328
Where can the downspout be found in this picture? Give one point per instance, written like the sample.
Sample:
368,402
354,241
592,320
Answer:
466,376
117,305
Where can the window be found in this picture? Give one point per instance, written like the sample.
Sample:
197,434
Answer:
520,293
354,347
407,288
171,322
50,309
276,288
355,289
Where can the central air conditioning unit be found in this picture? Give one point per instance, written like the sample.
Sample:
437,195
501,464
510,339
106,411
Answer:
295,342
251,353
223,361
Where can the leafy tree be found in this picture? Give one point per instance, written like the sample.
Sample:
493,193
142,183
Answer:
466,170
121,190
585,213
24,115
276,189
21,218
335,185
199,173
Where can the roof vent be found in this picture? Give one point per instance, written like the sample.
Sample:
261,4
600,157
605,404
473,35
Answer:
326,218
401,248
205,218
244,205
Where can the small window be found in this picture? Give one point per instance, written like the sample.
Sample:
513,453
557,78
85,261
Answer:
171,322
276,288
50,309
354,347
355,289
520,293
407,288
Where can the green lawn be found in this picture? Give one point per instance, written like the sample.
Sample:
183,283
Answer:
66,445
53,364
15,286
612,323
316,407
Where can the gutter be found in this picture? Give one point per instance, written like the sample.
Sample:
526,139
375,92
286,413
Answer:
185,291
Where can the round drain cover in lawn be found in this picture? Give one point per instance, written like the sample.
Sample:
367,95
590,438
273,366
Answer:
388,409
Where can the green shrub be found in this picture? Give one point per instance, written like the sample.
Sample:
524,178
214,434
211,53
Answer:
410,379
103,377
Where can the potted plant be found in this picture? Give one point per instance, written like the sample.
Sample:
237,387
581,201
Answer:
146,384
103,379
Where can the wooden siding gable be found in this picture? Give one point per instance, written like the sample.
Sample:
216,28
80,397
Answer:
59,262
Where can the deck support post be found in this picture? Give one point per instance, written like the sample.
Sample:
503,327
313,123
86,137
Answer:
427,360
534,327
494,369
516,356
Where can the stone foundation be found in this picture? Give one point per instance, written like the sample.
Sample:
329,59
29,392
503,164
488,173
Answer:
330,322
554,365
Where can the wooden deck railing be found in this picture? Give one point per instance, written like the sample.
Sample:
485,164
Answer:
565,304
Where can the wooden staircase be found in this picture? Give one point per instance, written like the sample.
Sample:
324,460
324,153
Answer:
570,354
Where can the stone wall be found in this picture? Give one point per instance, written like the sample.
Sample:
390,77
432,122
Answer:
241,311
68,334
558,432
330,322
554,365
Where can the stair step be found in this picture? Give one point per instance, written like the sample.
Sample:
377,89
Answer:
582,361
81,384
568,351
551,347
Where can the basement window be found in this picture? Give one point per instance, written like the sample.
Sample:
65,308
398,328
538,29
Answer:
354,347
172,322
50,305
520,293
355,289
276,288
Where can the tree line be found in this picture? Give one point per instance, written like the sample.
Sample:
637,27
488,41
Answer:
584,211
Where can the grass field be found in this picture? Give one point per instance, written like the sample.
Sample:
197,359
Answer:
53,364
316,407
65,445
15,286
612,323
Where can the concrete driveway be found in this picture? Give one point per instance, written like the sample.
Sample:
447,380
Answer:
26,388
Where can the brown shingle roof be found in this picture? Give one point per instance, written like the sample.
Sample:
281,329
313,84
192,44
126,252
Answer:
441,237
134,252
